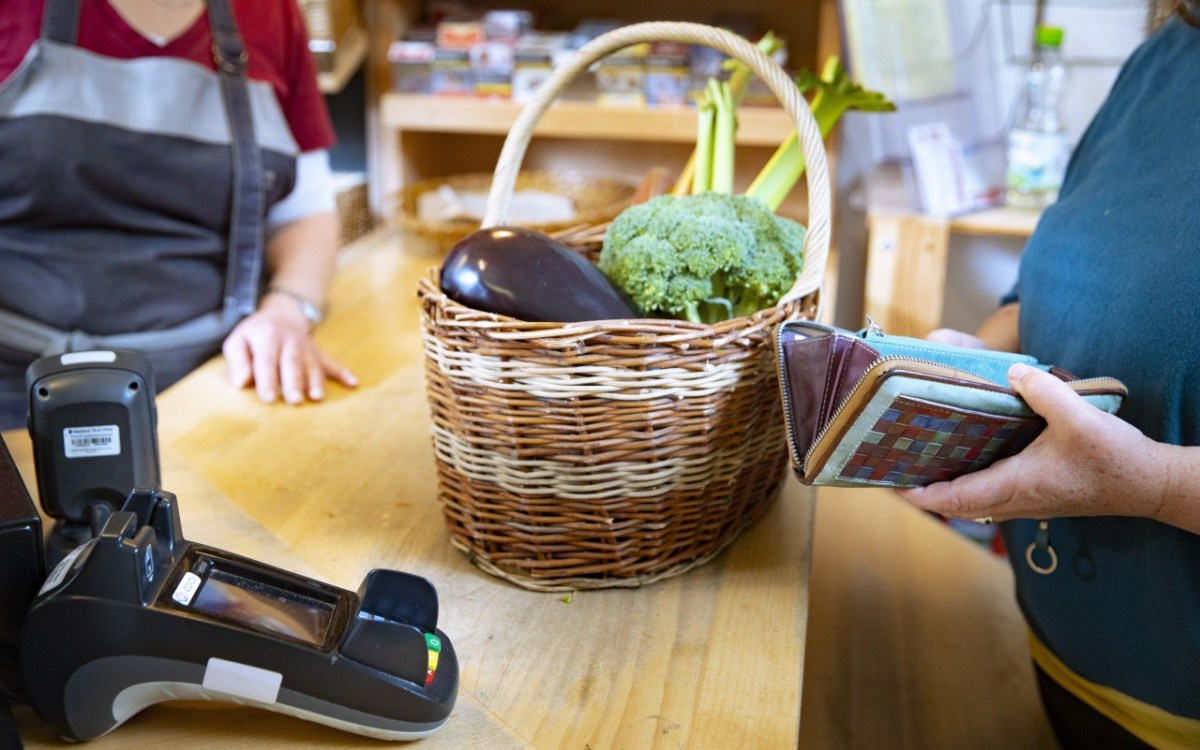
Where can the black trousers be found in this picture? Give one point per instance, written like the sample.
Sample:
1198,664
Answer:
1077,725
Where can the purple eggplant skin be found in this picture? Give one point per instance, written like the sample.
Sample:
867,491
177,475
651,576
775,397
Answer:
525,274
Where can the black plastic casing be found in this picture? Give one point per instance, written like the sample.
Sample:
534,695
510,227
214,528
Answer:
102,390
22,567
106,622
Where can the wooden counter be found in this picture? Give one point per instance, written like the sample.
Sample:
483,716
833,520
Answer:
913,639
709,659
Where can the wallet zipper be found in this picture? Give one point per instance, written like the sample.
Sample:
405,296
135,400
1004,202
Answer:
913,364
785,396
859,395
925,367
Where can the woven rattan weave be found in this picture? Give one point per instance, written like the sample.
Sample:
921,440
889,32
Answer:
611,453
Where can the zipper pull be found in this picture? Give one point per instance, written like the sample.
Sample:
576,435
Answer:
873,328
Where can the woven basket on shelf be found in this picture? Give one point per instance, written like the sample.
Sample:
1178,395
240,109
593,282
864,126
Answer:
611,453
597,200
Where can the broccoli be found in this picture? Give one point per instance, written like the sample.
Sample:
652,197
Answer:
705,257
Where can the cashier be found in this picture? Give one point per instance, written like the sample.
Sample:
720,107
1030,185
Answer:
166,189
1102,513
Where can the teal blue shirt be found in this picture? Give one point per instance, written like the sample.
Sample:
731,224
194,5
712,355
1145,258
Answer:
1110,285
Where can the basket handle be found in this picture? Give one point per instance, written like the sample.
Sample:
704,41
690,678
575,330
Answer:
816,243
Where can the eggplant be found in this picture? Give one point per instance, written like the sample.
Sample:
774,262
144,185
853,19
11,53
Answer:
525,274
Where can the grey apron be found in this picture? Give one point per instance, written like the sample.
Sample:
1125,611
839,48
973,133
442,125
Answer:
132,201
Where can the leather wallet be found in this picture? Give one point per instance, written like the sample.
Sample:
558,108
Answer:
869,409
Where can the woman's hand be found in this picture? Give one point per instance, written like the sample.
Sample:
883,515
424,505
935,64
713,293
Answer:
273,350
1085,463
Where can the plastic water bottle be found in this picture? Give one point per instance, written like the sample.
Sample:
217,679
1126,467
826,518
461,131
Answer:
1038,146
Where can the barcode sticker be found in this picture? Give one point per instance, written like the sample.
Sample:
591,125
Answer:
97,440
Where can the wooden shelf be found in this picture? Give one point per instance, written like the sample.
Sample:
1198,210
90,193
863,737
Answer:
757,126
1001,221
412,138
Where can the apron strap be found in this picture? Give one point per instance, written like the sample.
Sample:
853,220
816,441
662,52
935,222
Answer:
244,270
60,20
32,337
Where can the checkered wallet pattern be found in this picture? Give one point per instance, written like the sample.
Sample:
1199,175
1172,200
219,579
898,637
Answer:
869,409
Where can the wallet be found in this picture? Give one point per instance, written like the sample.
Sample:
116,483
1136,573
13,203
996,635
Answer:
868,409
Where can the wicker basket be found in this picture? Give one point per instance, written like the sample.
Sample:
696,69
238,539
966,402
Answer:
611,453
353,209
597,200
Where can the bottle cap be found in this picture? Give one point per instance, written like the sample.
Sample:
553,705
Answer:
1049,36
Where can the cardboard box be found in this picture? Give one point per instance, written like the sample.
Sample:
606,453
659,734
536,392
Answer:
506,25
412,66
621,77
492,69
451,73
668,81
533,61
459,33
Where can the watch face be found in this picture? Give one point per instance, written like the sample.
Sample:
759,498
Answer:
308,309
311,312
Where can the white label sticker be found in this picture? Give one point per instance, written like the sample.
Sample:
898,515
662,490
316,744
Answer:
78,358
96,440
242,680
64,566
186,588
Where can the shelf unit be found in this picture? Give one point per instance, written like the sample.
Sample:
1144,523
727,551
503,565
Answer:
412,138
757,126
907,256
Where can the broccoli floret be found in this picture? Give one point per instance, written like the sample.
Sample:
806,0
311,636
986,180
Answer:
706,257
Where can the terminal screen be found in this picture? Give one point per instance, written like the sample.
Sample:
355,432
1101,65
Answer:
232,595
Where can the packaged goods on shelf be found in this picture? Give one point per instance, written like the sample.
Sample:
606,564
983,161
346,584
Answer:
590,28
506,25
583,86
533,60
497,54
412,66
705,63
621,77
451,73
492,69
667,79
758,94
459,32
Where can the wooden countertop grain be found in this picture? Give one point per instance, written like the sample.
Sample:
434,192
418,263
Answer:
904,636
712,658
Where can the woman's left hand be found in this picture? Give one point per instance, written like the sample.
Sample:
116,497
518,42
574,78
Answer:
272,349
1085,463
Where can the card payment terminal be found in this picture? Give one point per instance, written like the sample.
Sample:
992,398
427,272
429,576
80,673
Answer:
139,615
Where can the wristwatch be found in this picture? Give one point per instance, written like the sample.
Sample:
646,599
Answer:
309,309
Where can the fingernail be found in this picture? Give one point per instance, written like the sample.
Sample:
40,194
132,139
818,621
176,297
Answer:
1018,371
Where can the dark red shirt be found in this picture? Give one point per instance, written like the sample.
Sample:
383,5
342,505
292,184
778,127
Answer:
273,31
